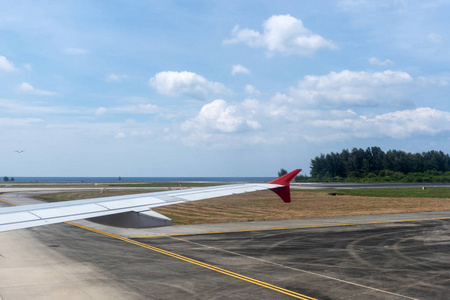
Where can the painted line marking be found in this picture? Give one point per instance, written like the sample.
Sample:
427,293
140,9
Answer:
201,264
193,261
287,228
7,201
239,276
371,289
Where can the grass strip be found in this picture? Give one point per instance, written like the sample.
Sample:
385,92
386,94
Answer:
429,192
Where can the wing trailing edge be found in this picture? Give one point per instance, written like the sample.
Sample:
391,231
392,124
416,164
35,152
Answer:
129,210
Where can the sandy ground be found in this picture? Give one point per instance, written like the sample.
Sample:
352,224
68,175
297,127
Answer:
264,206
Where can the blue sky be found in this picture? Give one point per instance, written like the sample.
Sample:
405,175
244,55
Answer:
217,88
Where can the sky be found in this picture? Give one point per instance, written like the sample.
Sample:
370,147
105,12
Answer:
217,88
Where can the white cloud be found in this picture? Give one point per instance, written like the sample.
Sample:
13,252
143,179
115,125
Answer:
185,83
351,88
378,62
251,90
252,122
434,38
398,125
115,78
407,123
239,69
218,116
251,37
27,88
6,65
223,125
440,80
300,115
284,34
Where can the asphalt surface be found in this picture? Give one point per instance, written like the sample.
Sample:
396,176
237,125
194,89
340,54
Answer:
408,260
336,258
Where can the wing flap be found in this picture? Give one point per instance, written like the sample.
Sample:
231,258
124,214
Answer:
17,217
131,202
220,192
68,211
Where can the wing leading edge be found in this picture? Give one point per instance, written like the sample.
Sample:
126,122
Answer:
130,210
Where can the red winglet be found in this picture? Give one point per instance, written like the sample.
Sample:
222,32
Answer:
285,180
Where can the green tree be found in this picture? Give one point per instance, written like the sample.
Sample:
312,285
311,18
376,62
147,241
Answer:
373,164
282,172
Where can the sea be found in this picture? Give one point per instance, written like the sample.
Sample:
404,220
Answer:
143,179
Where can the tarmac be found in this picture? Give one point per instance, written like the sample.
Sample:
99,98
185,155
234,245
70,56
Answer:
398,256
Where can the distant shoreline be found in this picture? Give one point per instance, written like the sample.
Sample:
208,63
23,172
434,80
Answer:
135,179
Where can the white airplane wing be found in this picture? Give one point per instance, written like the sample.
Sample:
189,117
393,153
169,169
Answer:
132,211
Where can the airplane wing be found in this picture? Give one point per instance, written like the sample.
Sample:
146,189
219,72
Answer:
132,211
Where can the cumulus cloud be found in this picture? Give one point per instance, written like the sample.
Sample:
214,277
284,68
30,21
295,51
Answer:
378,62
281,33
218,116
239,69
223,125
398,125
27,88
252,122
251,90
346,88
407,123
185,83
319,110
6,65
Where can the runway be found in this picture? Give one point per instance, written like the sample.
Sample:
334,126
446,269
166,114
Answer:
395,257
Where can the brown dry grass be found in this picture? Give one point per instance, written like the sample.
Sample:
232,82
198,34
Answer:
267,206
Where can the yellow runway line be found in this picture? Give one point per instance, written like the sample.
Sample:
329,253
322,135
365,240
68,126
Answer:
7,201
287,228
201,264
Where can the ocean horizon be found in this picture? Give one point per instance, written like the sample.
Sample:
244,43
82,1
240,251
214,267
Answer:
140,179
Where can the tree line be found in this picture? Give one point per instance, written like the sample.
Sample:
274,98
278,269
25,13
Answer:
373,164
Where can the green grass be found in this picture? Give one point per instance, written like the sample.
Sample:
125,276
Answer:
78,195
167,184
437,192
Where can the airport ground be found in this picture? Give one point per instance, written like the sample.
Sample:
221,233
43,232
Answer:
392,256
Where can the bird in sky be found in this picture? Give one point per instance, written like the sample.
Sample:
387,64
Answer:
19,151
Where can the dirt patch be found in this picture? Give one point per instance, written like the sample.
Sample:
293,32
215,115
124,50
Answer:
265,205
